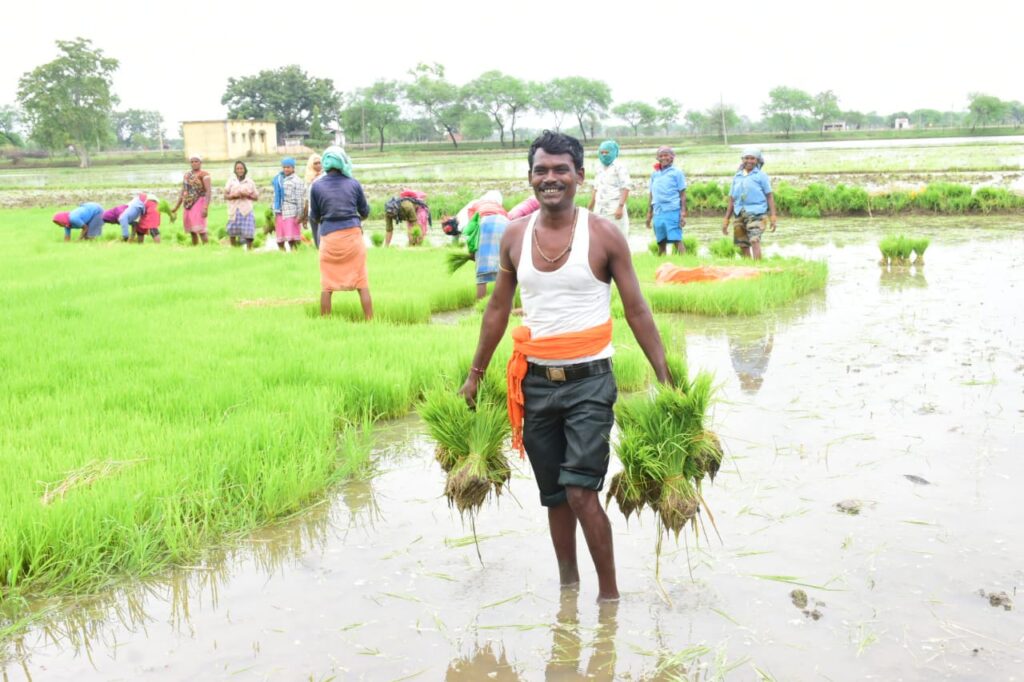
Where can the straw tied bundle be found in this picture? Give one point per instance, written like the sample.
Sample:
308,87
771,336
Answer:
469,446
666,451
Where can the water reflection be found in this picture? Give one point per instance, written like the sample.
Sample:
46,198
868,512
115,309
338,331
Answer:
897,278
482,664
567,648
86,626
750,348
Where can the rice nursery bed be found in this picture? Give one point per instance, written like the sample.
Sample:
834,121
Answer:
783,281
156,399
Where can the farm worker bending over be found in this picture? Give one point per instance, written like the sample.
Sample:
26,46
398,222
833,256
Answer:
195,196
411,208
289,203
131,215
149,223
486,224
750,199
667,207
240,193
338,205
560,385
611,187
88,218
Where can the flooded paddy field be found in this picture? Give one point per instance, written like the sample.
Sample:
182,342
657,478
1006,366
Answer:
868,510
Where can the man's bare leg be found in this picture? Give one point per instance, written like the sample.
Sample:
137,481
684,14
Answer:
325,303
755,248
562,524
597,531
481,291
367,303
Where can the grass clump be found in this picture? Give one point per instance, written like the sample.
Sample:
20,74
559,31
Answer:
469,446
666,449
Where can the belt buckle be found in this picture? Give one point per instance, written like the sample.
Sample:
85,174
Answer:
555,373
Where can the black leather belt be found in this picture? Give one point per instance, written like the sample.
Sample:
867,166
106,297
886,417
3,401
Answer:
581,370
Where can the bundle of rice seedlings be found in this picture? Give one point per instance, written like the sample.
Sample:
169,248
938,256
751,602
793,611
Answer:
723,248
919,246
268,220
690,245
457,259
666,449
377,239
165,208
896,249
469,446
415,236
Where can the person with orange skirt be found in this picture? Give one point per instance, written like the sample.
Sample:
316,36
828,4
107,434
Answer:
337,203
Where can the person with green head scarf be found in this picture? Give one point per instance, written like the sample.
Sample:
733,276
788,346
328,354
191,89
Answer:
336,158
611,187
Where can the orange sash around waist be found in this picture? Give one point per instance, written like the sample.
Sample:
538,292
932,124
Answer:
567,346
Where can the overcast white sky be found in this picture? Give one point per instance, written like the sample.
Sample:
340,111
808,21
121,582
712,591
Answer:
876,55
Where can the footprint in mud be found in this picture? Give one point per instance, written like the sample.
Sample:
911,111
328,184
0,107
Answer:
917,479
997,599
852,506
800,600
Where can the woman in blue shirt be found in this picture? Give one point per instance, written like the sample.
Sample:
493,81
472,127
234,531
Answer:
750,199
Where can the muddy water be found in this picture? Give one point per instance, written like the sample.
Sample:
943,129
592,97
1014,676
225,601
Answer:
898,394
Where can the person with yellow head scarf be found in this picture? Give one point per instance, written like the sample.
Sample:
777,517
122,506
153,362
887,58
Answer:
314,170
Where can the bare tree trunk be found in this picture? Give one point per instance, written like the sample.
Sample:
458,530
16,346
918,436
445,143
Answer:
381,129
83,155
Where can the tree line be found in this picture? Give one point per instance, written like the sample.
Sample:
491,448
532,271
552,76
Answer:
68,103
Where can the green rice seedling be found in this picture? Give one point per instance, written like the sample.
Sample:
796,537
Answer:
415,236
666,449
896,249
457,259
377,239
268,220
469,446
919,245
723,248
165,208
652,248
690,245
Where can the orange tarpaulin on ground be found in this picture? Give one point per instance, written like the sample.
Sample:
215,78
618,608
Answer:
673,274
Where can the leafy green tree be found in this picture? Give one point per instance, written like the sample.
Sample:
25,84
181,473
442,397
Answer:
137,127
10,121
784,107
318,137
1015,110
985,109
502,97
553,101
584,98
722,118
376,107
855,120
825,108
668,113
697,122
439,100
926,118
68,101
477,125
287,95
636,114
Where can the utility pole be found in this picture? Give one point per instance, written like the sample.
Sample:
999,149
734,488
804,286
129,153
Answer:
721,111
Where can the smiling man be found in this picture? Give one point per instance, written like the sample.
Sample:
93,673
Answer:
560,384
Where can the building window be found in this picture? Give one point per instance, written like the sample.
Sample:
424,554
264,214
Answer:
233,136
263,136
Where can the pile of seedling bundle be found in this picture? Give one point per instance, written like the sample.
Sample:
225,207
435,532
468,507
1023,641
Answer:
723,248
165,208
897,249
666,450
470,444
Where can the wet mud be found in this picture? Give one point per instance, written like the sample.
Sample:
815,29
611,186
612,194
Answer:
844,396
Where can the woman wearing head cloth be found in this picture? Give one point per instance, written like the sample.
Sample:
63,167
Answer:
338,205
611,187
750,199
195,196
88,218
240,193
314,170
289,202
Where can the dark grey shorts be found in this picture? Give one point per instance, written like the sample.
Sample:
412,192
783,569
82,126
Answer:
565,431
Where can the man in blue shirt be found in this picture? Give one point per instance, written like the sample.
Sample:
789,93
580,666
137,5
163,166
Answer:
750,198
667,207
